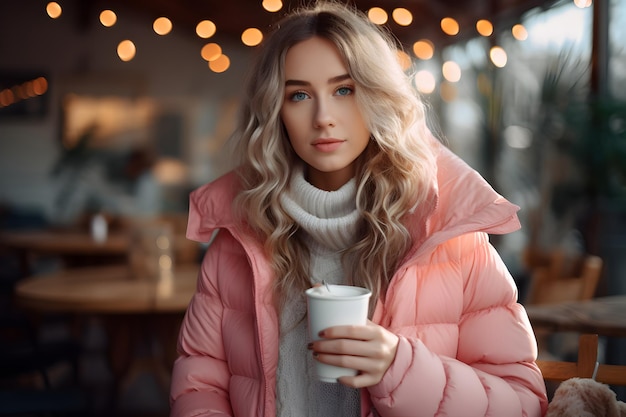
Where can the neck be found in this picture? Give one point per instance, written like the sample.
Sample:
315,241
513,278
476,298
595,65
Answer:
329,181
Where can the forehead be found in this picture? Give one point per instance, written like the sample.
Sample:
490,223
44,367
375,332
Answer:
312,59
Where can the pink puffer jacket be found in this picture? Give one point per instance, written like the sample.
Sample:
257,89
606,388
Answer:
466,346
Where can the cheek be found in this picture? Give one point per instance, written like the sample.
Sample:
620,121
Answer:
292,124
359,125
357,117
286,125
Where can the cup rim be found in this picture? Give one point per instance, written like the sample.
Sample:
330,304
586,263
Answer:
363,292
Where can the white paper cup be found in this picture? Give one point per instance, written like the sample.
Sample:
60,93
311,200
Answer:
342,305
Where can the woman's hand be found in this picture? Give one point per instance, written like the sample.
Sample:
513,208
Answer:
369,349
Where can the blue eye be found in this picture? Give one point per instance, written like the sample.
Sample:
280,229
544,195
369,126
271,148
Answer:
299,96
344,91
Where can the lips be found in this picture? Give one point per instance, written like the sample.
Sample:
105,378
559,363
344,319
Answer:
327,145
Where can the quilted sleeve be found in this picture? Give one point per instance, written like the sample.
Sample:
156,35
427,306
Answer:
201,376
494,371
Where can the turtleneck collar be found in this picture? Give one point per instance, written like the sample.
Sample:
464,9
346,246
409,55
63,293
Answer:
329,217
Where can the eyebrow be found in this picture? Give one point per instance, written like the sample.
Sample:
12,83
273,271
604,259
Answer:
331,80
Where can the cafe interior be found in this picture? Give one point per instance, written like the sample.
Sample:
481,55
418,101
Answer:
112,111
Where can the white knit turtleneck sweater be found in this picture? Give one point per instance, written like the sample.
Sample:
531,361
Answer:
329,220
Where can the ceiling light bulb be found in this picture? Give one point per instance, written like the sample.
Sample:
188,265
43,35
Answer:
251,37
162,26
205,29
126,50
484,27
451,71
221,64
404,59
449,26
425,82
377,15
108,18
423,49
211,51
519,32
498,56
272,5
54,9
402,16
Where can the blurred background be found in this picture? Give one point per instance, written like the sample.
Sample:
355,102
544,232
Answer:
111,111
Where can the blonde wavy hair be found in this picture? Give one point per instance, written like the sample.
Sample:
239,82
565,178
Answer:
392,171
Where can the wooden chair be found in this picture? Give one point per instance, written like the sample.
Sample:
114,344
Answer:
586,366
562,278
556,282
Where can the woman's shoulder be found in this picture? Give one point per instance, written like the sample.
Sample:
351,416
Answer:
210,206
466,198
223,187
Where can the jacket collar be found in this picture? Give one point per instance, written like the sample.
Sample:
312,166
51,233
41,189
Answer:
458,201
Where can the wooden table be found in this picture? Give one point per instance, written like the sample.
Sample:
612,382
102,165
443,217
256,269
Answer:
78,248
136,312
73,247
605,316
65,242
108,290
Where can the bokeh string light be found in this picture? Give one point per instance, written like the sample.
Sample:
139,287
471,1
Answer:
205,29
251,37
126,50
519,32
211,51
450,26
423,49
402,16
108,18
484,27
377,15
404,59
425,82
272,5
28,89
451,71
162,26
220,64
498,56
54,10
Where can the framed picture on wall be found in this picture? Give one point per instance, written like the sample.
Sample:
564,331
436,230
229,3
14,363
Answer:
107,122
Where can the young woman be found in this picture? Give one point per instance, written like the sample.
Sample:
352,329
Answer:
340,180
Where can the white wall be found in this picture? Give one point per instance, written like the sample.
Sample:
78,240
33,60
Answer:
83,59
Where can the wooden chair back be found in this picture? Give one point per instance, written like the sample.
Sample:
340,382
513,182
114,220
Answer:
585,367
553,284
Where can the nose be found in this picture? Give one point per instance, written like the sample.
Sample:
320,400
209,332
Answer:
323,114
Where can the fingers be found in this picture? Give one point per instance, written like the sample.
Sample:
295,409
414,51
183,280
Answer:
347,332
363,332
360,381
350,347
370,369
369,349
368,364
